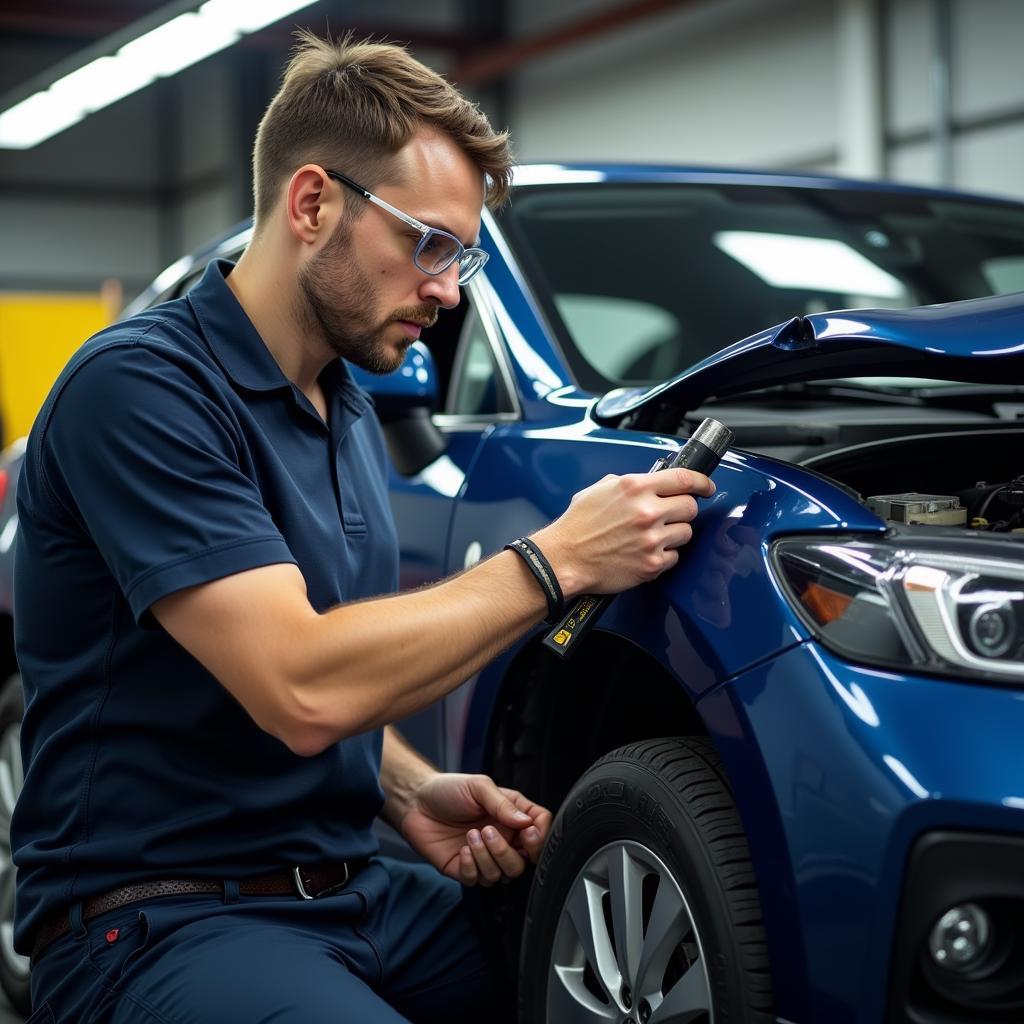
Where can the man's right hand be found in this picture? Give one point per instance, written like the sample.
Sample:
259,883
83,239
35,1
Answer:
623,530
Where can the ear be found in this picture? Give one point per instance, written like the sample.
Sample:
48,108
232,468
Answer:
312,207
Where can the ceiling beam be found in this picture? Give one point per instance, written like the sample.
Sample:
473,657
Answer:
85,21
504,59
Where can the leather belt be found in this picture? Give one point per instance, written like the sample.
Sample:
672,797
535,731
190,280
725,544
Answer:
303,883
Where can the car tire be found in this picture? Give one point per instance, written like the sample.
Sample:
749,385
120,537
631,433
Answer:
644,907
14,968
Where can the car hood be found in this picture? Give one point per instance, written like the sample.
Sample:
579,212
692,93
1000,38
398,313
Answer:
979,340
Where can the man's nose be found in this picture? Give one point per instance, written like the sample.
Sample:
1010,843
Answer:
442,288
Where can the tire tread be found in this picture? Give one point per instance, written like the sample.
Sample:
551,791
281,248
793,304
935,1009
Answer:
693,769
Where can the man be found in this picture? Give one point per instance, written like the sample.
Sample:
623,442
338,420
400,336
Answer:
209,665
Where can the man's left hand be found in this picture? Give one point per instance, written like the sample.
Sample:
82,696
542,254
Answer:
473,830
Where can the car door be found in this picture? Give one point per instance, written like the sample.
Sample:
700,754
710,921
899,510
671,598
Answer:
475,394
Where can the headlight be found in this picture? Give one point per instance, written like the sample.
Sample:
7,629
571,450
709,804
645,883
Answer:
887,604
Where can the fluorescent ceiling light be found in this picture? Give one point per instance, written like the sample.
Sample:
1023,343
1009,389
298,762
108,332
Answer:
250,15
29,122
100,83
796,261
160,53
177,44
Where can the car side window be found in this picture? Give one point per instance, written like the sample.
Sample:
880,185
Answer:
478,388
625,339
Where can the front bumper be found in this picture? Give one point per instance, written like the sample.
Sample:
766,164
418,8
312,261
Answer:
838,771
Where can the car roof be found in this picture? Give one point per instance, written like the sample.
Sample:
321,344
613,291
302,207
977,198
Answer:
548,174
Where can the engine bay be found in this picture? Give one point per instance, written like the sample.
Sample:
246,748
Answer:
911,465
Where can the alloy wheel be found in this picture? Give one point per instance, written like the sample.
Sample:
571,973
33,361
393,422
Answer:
627,949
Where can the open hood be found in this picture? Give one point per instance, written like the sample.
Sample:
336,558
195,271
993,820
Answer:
979,340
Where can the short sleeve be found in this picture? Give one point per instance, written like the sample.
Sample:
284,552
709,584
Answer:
144,453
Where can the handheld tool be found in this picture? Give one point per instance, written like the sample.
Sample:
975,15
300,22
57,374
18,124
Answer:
702,452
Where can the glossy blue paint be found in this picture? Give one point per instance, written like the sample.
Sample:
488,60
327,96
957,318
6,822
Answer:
558,173
837,769
719,610
413,385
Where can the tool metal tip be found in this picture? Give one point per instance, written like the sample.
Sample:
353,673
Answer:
717,436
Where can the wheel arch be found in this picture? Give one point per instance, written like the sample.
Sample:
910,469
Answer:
552,719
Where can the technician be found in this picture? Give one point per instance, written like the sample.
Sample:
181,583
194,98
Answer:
210,663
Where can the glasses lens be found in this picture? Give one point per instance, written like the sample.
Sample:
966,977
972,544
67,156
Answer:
436,252
472,261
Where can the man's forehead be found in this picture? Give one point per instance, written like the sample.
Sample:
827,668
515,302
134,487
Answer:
440,184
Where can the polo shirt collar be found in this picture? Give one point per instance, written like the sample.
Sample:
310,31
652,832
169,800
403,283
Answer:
231,335
240,350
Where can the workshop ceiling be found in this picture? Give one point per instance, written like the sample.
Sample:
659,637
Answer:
474,41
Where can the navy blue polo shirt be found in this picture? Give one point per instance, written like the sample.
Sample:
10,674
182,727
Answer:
172,451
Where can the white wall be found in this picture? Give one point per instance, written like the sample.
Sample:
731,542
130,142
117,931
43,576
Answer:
987,93
76,245
767,83
732,82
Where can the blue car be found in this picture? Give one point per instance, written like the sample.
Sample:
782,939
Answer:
789,772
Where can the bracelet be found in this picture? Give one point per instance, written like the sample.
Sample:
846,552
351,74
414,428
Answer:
543,573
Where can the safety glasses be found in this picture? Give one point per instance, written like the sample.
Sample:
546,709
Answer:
436,250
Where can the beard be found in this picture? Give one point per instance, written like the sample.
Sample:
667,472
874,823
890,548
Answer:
336,303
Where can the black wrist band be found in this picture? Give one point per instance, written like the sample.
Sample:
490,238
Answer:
543,573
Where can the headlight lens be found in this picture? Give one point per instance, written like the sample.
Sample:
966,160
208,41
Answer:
888,604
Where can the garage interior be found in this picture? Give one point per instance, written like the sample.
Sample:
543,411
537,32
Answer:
923,92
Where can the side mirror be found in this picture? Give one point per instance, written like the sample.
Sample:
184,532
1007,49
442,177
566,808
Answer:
413,386
404,401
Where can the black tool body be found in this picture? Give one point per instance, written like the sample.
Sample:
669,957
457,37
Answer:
702,452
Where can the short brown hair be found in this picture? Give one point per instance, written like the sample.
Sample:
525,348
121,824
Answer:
355,104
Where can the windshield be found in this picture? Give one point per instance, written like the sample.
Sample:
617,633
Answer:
642,281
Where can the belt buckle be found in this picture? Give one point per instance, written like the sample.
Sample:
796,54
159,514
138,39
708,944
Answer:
300,885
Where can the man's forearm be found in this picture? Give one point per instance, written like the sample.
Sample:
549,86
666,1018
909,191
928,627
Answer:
402,772
361,666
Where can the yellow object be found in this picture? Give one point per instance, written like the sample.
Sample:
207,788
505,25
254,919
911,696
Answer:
38,333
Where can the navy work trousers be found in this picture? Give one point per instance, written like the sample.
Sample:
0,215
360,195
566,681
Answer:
399,943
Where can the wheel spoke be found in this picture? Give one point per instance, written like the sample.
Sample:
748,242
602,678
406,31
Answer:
7,793
668,926
587,913
14,739
687,1000
16,963
10,773
625,887
570,1000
